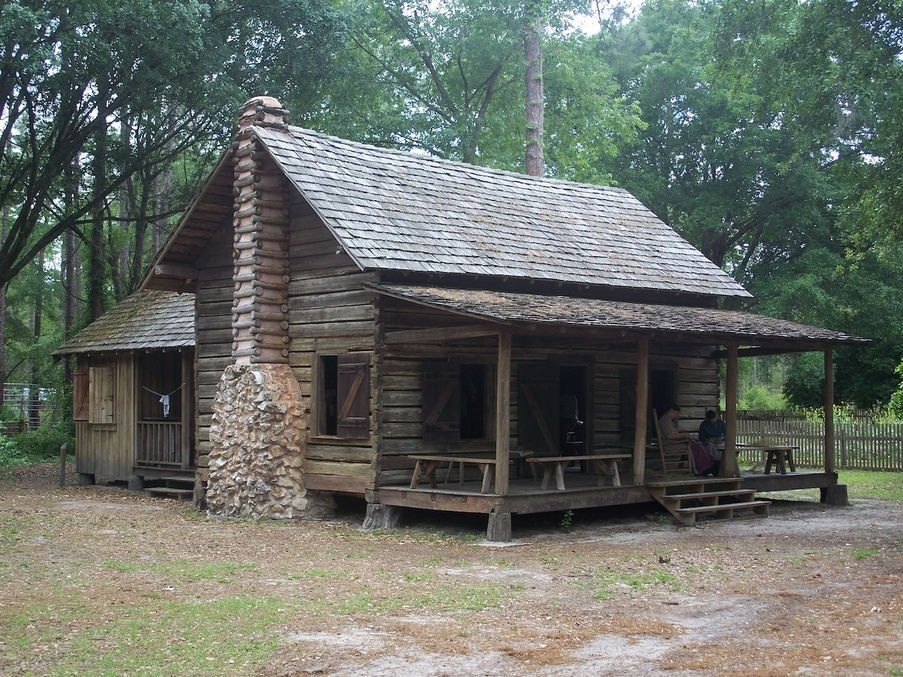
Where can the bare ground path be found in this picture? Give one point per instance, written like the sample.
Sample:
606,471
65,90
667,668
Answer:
810,590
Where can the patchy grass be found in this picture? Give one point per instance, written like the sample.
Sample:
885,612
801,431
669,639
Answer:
608,581
221,636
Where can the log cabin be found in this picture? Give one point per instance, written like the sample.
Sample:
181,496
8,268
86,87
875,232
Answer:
133,394
405,329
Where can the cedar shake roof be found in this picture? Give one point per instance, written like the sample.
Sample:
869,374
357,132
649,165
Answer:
146,320
704,325
398,211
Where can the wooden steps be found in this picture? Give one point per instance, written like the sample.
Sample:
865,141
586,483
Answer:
176,486
716,497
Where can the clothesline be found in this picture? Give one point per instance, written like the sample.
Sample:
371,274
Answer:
164,399
161,394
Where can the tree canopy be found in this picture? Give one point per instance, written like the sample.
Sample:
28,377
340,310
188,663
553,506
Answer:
768,134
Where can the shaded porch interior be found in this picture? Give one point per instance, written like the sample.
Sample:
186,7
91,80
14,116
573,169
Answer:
164,424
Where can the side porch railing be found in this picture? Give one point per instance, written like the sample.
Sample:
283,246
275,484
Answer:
159,444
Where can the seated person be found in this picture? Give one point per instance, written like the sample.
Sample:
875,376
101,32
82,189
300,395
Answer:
711,433
674,440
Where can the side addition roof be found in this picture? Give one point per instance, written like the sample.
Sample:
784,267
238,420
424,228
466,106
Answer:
146,320
392,210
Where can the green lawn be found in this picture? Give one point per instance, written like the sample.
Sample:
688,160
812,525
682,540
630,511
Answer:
861,484
865,484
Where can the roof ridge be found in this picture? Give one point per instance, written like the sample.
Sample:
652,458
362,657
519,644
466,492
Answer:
458,164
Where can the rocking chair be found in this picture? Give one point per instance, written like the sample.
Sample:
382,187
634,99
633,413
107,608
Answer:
674,457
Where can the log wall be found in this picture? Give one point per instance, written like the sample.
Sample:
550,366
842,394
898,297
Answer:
213,305
330,313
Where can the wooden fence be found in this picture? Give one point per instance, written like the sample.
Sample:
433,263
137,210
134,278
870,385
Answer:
857,446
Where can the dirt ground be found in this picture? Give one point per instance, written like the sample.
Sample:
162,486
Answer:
811,590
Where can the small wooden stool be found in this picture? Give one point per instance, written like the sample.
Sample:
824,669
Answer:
782,457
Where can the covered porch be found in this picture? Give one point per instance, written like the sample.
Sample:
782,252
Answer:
644,336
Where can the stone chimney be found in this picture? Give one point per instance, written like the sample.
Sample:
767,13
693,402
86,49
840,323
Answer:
258,432
260,299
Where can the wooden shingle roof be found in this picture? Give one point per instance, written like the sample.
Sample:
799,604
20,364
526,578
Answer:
704,325
146,320
397,211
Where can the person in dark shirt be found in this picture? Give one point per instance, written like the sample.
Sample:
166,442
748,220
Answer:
711,433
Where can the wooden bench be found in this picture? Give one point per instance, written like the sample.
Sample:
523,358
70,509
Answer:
426,464
607,463
515,456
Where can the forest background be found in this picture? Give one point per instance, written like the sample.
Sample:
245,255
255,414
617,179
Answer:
769,134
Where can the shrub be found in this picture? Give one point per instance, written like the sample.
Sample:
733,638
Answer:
45,442
760,398
10,455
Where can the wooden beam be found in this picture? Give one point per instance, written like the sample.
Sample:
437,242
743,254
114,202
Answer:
642,409
440,334
503,413
176,271
829,411
759,351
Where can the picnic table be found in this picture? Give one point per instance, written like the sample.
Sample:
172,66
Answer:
780,455
426,464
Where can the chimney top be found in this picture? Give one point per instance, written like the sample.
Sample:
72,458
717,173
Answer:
263,111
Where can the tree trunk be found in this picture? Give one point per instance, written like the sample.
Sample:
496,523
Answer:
162,191
34,394
96,273
71,268
4,230
533,24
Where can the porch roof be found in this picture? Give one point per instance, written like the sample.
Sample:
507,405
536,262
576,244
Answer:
146,320
697,325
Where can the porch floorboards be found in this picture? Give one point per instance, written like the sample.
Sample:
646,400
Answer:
526,496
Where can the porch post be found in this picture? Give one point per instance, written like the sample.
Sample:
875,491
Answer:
642,407
729,466
503,413
829,410
187,401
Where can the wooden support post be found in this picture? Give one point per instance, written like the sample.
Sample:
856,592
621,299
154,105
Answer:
187,401
499,528
63,453
642,409
381,516
503,415
829,411
729,466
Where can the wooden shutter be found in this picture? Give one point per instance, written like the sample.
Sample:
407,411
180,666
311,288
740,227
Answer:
101,409
80,389
353,396
441,403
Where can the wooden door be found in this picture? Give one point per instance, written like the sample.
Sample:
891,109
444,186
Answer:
537,407
441,406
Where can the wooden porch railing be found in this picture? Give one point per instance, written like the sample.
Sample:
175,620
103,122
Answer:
159,443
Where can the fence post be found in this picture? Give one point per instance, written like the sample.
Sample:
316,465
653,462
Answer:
843,446
63,452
